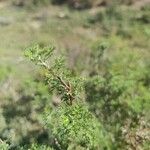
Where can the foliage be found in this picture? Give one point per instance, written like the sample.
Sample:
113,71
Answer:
74,128
30,3
59,78
110,94
105,91
39,147
119,95
3,145
24,107
75,125
78,4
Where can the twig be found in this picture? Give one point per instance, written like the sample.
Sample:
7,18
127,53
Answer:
66,86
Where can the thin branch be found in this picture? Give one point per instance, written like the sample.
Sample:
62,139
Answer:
66,86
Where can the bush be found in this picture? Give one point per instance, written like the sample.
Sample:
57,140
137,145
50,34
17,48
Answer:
118,96
3,145
72,126
110,98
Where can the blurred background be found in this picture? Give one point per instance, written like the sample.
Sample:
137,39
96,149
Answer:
77,28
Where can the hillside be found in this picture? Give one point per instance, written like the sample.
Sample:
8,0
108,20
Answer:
105,43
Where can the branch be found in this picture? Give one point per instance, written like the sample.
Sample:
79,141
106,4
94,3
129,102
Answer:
66,86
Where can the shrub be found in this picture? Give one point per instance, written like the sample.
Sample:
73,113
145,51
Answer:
118,96
74,128
3,145
71,124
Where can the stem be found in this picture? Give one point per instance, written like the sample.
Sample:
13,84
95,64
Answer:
66,86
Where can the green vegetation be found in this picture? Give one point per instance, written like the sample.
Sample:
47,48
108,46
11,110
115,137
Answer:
88,86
